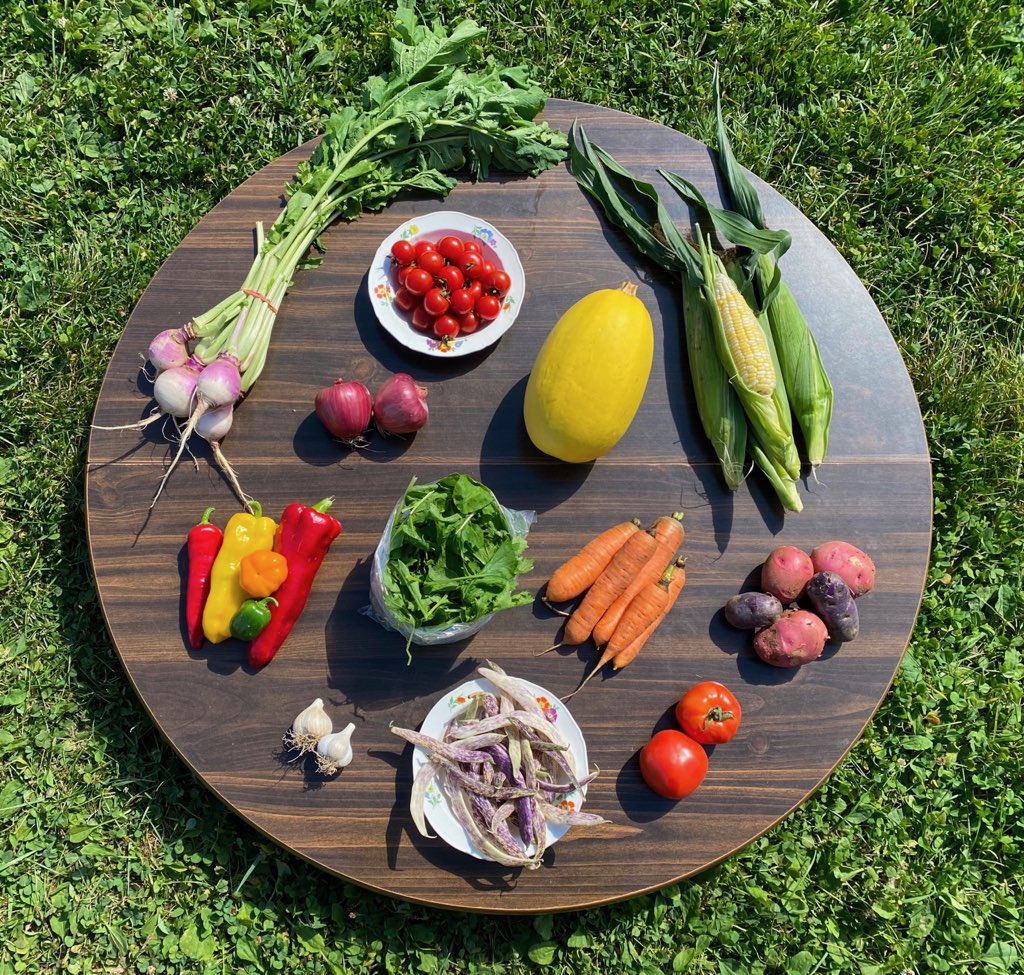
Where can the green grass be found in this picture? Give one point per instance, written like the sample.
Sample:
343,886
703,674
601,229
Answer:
896,127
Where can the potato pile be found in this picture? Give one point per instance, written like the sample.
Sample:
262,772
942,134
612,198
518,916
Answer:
805,601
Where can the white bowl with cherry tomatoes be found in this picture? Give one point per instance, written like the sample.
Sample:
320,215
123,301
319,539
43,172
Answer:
446,284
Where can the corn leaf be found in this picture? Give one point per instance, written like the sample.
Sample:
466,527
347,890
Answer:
744,197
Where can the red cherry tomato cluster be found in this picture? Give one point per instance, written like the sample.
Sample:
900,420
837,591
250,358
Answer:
448,287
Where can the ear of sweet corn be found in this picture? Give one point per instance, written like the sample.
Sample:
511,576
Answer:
784,485
790,457
807,384
771,426
718,406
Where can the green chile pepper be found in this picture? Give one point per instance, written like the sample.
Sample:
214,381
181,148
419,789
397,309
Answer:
252,616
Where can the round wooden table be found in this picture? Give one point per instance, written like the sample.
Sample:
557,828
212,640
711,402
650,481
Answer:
226,722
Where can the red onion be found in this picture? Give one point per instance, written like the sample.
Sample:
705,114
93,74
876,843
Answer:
400,405
345,409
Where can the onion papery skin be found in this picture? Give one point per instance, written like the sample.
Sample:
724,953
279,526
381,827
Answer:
400,405
345,409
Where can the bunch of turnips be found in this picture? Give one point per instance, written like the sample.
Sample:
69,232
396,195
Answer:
805,601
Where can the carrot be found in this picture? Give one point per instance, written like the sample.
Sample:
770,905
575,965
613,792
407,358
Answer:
675,587
581,571
669,533
645,613
622,569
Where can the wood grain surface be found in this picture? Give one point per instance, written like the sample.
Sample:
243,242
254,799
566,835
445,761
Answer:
227,722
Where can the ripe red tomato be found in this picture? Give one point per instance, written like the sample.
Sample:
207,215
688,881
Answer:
480,272
673,764
468,323
431,261
423,246
709,713
463,301
422,319
500,283
406,300
418,281
451,249
435,302
475,288
403,252
446,327
487,308
472,245
450,278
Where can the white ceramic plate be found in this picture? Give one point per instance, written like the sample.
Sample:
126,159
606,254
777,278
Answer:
436,809
383,283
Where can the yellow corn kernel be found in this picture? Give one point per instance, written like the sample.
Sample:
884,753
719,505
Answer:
744,336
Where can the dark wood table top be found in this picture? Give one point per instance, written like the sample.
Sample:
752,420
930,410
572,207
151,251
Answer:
227,722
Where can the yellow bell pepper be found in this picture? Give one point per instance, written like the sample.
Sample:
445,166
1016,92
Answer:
243,534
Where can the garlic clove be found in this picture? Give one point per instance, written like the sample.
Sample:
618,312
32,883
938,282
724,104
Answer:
313,721
334,752
310,725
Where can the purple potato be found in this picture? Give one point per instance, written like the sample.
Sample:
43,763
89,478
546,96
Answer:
753,610
832,600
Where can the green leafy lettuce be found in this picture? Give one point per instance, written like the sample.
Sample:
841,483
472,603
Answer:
453,557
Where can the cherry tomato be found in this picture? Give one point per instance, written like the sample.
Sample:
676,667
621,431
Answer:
480,272
435,302
709,713
451,249
463,301
406,300
487,308
470,261
422,319
450,278
418,281
403,252
446,327
431,262
468,323
475,288
403,273
472,245
500,283
673,764
423,246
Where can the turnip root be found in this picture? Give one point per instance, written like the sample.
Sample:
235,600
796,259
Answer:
752,610
785,573
848,562
796,637
832,600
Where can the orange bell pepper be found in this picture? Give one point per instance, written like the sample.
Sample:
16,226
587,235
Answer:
262,572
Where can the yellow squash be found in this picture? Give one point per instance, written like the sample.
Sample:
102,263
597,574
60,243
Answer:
590,376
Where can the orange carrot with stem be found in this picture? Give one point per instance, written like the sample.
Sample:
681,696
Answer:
581,571
668,530
628,652
622,569
645,613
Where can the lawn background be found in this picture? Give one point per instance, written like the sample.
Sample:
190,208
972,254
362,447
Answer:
896,128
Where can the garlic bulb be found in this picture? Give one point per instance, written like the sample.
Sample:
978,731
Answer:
309,726
334,752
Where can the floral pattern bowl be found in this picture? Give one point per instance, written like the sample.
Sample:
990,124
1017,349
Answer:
382,283
436,810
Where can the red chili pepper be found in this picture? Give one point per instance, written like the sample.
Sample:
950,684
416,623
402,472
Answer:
303,537
203,544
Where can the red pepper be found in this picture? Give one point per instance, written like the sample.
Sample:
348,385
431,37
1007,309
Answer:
204,541
303,537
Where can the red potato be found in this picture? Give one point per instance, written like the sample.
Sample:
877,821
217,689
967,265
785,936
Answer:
796,637
785,573
848,562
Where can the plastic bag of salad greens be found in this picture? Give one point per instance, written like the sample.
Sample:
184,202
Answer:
449,558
